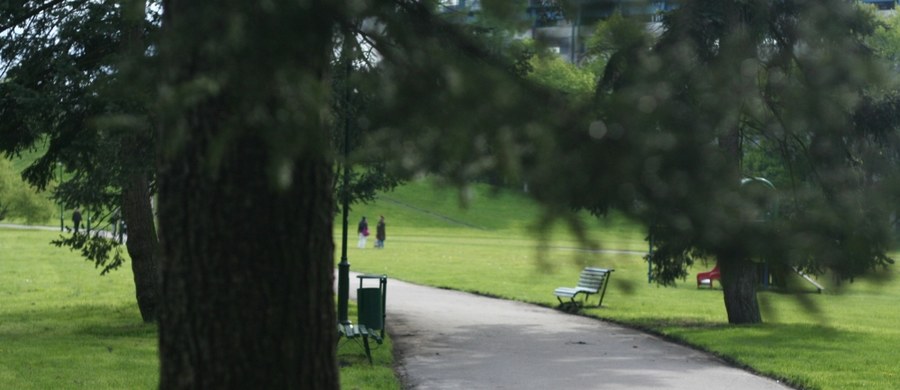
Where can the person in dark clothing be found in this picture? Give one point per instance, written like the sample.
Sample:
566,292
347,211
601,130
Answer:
380,233
76,219
363,230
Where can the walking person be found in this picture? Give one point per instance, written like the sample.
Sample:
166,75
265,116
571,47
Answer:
76,220
380,233
363,230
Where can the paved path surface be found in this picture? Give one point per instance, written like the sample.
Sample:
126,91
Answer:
28,227
104,233
453,340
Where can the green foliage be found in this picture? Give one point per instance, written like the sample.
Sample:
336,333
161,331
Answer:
105,253
352,94
612,36
885,41
63,92
553,71
778,83
761,159
504,9
18,200
436,112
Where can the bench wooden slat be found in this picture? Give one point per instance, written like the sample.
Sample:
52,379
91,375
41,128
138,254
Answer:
591,281
359,330
351,331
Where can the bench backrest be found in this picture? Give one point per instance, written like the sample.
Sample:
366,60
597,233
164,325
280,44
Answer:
593,278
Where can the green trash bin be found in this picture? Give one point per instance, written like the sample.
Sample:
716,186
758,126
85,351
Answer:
370,305
369,308
371,302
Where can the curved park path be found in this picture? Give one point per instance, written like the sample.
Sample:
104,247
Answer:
453,340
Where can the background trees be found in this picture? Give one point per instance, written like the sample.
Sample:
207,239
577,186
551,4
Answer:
65,69
17,200
728,77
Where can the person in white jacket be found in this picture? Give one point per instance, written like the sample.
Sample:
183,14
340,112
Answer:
363,231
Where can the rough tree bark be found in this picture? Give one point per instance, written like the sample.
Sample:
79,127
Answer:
137,212
738,272
247,275
246,227
142,244
739,283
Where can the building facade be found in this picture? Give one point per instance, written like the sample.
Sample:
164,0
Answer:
565,32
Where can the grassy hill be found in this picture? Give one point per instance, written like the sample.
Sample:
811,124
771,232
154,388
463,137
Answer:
28,156
424,208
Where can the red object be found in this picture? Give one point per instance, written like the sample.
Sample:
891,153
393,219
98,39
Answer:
710,275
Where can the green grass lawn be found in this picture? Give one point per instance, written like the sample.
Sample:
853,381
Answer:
357,373
63,326
837,340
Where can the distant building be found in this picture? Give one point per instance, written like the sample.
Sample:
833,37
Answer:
566,34
884,5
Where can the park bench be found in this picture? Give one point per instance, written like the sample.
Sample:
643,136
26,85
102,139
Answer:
370,313
592,281
352,331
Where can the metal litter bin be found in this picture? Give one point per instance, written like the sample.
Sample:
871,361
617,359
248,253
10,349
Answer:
371,302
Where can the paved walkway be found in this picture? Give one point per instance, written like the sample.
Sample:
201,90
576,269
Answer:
28,227
453,340
104,233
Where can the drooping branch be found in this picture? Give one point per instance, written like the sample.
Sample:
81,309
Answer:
34,12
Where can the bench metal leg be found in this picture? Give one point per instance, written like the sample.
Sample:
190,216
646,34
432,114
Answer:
366,344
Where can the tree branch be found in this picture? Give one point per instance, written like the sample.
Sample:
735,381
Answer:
34,12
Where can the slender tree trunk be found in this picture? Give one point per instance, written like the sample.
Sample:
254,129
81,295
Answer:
739,279
143,244
739,283
137,212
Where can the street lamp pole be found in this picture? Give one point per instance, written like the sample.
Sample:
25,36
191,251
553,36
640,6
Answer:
344,265
62,226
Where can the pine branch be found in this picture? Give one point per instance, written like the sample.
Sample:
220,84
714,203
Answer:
34,12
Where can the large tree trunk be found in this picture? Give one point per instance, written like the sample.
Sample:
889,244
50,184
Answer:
739,283
245,202
247,276
142,244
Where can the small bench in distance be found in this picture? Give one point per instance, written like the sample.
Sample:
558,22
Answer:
592,281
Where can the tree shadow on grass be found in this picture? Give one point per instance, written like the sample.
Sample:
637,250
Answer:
787,335
95,320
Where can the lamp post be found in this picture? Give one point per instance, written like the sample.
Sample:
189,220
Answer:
62,225
344,265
